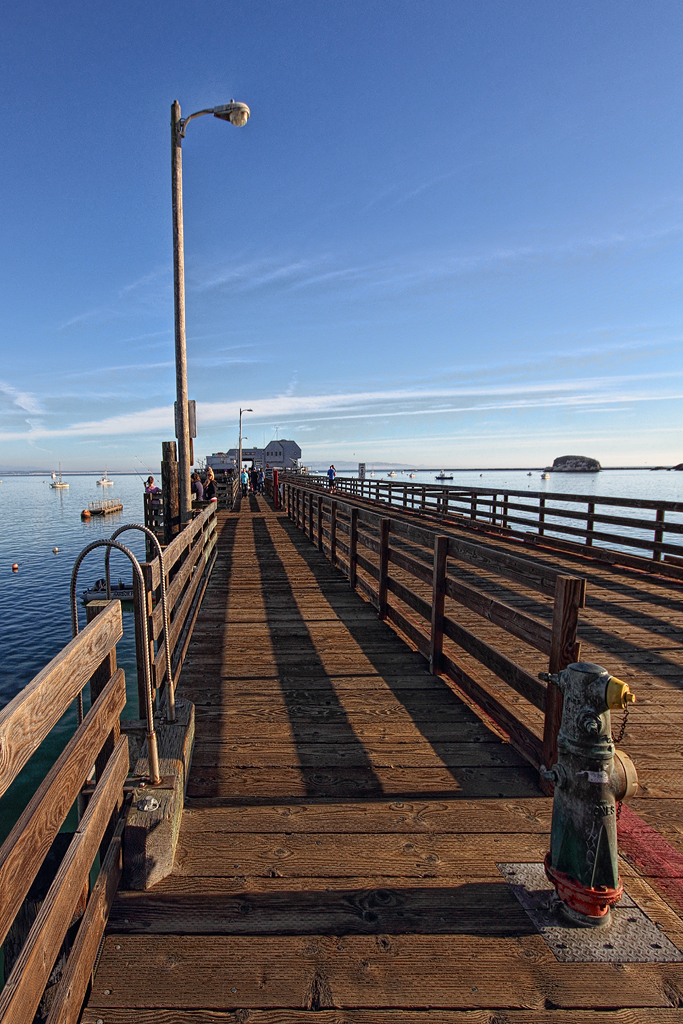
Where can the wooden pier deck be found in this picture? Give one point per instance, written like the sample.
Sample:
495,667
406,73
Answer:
346,812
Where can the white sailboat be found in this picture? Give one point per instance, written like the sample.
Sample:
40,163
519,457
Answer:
105,481
57,482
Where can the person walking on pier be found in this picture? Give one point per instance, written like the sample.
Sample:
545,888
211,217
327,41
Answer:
244,478
261,479
331,474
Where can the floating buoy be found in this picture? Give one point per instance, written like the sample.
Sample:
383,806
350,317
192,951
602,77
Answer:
85,514
15,567
55,551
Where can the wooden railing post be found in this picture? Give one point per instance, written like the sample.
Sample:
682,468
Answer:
384,527
99,679
570,595
333,532
505,511
353,548
438,598
169,490
310,517
541,516
659,535
320,522
473,507
590,524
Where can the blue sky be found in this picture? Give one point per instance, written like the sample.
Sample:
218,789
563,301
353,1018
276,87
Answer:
449,235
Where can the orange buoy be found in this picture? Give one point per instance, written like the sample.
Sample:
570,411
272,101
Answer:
15,567
85,514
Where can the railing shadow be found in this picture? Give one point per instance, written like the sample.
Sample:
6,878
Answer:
292,645
492,768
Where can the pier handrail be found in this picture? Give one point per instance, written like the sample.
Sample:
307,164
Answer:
188,561
381,553
24,724
535,518
154,541
145,691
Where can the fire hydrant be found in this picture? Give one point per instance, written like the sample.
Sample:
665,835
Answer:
590,777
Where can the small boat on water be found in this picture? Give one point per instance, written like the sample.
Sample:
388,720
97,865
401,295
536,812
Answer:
392,473
104,481
412,476
545,476
107,507
443,476
57,482
119,591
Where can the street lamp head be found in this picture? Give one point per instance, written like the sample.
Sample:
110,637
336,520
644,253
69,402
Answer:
235,113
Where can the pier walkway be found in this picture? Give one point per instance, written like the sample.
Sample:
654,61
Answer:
346,812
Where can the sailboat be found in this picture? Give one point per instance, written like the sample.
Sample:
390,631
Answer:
57,483
105,481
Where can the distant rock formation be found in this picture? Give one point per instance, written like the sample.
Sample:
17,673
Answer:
575,464
679,466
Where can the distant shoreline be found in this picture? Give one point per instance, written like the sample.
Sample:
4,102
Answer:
375,469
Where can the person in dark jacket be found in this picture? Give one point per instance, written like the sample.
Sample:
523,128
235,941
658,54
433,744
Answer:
209,485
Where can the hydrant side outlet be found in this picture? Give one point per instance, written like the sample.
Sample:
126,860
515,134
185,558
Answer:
583,863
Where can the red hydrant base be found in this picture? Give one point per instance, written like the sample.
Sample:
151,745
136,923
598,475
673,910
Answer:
591,902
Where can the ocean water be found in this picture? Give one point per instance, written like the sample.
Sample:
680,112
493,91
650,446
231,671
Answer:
34,602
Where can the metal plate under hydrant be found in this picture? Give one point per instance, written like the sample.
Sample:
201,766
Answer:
631,938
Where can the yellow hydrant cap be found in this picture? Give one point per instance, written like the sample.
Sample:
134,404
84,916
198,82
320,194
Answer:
618,694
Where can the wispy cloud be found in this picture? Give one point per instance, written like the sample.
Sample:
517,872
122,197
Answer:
400,402
22,399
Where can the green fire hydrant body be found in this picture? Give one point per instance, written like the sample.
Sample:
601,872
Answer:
590,777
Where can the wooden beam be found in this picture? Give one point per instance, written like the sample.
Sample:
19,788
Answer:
438,598
29,717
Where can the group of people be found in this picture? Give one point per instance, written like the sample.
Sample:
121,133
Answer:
202,490
254,479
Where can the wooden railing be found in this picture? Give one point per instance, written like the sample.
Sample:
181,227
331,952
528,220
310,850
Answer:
188,561
403,569
642,536
24,724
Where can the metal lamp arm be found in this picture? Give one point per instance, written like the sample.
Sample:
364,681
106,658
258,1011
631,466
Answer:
184,121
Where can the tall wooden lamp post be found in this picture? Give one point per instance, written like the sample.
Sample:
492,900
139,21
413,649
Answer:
237,114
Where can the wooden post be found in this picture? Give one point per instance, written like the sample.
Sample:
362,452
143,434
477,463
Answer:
303,511
276,490
139,614
310,517
590,524
333,532
169,490
570,595
473,507
444,506
424,499
438,597
659,535
384,526
494,509
101,676
320,522
505,510
353,548
541,516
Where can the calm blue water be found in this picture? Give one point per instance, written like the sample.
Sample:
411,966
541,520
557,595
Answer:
34,602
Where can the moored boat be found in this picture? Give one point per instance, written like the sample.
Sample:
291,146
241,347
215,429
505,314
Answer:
119,591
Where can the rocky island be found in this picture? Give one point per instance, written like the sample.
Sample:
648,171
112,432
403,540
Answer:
574,464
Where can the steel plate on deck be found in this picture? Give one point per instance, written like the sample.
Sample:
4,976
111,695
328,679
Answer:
631,938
